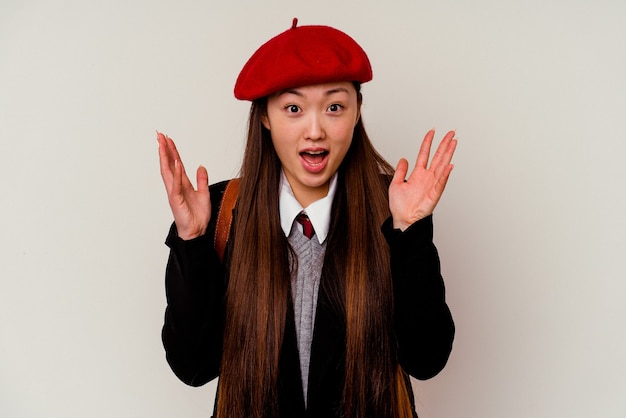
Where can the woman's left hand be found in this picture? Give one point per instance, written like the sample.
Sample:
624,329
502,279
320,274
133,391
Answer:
416,198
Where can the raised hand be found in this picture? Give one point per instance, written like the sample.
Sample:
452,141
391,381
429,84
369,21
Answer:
416,198
191,208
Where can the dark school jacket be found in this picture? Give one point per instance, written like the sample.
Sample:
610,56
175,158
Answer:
193,329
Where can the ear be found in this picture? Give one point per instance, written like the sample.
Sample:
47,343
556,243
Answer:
358,113
265,121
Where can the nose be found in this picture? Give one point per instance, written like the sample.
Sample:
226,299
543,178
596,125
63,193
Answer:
314,128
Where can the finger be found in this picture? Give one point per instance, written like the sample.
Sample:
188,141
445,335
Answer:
169,151
176,192
165,162
400,174
449,153
424,152
172,148
202,180
446,157
181,185
185,183
443,180
441,149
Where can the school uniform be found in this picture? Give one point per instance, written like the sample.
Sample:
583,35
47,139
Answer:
194,318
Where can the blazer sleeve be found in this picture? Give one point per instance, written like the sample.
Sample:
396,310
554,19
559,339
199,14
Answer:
422,320
192,333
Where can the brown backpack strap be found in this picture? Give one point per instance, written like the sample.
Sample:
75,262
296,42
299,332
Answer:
225,216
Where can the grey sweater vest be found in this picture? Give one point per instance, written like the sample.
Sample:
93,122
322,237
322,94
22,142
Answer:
305,282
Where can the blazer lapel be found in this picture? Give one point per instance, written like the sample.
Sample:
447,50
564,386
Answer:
289,377
326,369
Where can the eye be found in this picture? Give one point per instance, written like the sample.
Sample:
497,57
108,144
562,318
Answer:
335,107
292,108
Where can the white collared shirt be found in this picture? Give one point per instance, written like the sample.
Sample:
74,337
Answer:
318,211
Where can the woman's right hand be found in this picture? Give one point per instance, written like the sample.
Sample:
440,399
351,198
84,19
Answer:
191,208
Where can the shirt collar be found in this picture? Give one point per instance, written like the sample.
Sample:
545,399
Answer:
318,211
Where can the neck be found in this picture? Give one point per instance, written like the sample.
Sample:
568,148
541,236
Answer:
306,196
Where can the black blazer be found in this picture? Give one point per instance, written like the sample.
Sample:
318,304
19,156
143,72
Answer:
194,317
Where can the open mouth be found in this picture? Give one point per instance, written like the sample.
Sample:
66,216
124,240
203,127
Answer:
314,157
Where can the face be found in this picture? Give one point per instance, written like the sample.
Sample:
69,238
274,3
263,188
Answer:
311,129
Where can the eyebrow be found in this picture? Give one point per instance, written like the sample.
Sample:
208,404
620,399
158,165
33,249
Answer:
326,93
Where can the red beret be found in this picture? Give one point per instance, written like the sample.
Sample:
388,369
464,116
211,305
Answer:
302,56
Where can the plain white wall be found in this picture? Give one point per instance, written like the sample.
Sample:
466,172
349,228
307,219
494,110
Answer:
530,230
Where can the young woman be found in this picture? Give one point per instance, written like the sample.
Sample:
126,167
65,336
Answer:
319,317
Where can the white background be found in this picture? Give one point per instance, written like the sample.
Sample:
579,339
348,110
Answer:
530,230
